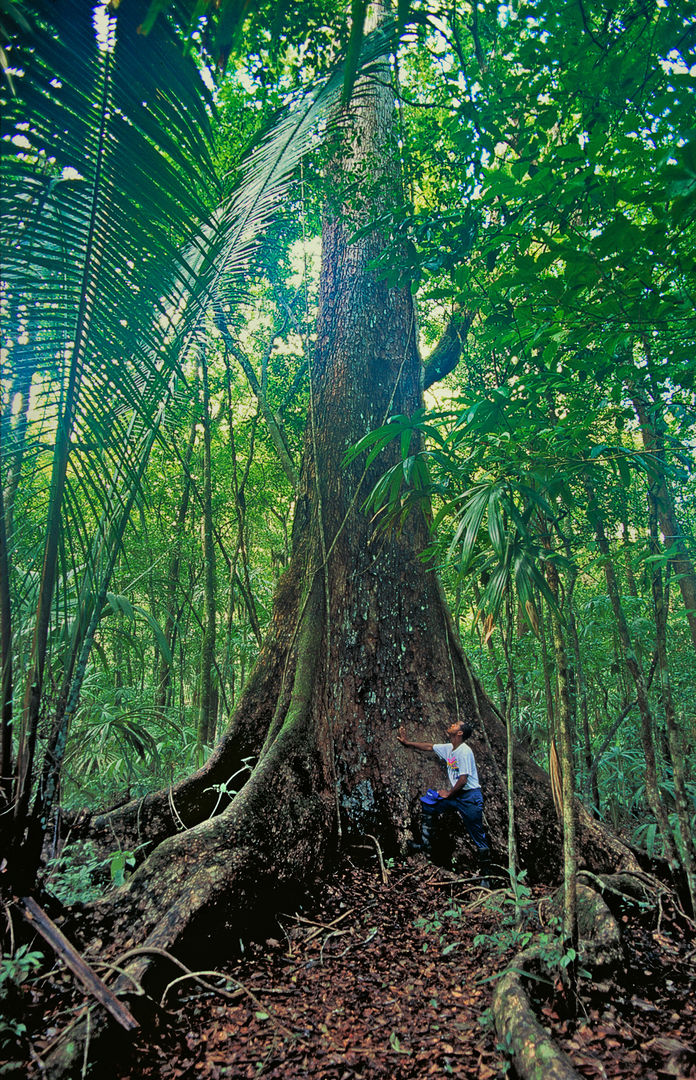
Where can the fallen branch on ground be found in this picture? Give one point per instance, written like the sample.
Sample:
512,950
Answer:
96,987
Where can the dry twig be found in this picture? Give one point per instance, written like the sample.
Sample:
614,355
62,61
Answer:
382,868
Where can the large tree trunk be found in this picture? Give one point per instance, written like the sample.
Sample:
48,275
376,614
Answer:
361,642
319,713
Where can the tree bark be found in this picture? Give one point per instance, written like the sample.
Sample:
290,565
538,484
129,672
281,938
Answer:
570,854
165,675
510,701
546,668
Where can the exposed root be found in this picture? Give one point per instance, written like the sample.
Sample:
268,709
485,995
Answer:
273,834
535,1054
601,849
198,978
630,888
322,926
229,995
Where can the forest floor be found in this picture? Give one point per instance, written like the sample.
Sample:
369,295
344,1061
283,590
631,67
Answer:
394,979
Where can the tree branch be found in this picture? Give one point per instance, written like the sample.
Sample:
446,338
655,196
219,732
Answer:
445,356
39,920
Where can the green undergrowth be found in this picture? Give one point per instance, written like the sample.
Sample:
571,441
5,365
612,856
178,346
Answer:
519,925
81,874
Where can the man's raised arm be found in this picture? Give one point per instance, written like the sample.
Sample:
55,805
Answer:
424,746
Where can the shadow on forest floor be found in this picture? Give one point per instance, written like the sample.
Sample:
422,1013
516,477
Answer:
395,980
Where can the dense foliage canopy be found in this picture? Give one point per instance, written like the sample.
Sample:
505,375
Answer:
158,311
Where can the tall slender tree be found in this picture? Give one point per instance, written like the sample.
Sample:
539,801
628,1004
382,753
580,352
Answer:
207,717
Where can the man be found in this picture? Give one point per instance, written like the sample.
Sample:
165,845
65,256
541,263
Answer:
464,795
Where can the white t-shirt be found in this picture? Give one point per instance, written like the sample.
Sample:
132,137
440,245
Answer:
460,762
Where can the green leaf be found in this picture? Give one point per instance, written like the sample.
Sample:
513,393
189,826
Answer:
470,523
495,522
120,605
358,10
158,632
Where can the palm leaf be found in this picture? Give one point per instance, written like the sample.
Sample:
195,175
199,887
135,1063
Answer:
467,531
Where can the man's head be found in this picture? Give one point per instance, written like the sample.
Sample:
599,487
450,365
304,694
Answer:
460,730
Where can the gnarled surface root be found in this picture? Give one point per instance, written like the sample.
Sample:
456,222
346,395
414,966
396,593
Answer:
534,1052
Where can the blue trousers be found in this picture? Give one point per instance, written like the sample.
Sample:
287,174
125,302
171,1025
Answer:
469,806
